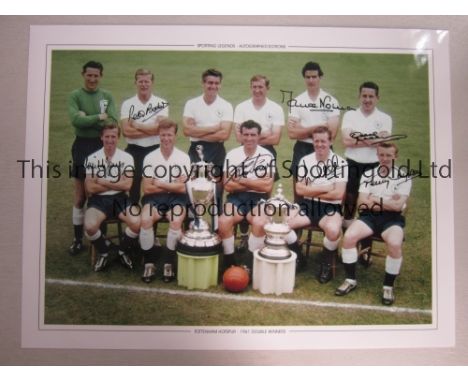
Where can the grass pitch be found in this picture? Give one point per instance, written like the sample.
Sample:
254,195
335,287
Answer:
404,95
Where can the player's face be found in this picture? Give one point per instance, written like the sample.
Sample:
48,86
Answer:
250,138
92,77
259,90
144,84
110,138
168,138
321,144
386,156
368,99
211,85
312,80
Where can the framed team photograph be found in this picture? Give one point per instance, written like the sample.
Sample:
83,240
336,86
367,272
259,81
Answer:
222,187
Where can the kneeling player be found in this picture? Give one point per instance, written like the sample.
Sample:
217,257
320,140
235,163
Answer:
164,196
109,173
382,197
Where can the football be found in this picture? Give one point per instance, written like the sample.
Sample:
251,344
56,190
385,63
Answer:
235,279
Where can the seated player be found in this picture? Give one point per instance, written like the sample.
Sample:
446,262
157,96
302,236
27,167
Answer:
109,173
164,177
248,178
382,197
322,178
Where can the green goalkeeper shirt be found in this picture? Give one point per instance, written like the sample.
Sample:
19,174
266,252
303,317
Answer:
91,104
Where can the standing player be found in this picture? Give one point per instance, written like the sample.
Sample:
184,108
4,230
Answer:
164,195
248,178
361,130
108,178
315,107
88,108
268,114
262,110
140,117
383,195
207,121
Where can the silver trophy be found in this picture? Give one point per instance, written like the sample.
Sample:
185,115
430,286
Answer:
278,210
201,191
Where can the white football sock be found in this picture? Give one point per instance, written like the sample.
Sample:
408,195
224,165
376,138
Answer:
130,233
392,266
146,238
256,242
291,237
330,245
78,216
349,256
228,245
172,238
96,236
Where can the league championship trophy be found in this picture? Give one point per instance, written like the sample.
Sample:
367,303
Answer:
199,247
274,268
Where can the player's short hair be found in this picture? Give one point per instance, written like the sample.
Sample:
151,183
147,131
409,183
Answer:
167,123
110,124
387,145
212,72
369,85
250,124
322,129
312,66
259,77
93,65
144,72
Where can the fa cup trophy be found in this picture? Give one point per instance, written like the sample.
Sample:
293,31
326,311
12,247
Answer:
274,268
201,191
278,209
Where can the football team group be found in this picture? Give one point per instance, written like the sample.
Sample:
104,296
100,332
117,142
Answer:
350,198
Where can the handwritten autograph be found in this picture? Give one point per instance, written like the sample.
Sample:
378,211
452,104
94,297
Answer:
404,178
324,105
374,136
257,165
150,111
329,169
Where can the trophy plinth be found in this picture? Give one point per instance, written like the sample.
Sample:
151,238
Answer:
277,210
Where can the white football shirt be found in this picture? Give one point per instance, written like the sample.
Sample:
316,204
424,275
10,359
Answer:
312,112
356,121
112,169
208,115
146,114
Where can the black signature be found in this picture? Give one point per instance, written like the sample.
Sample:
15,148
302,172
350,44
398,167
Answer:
150,111
329,169
247,166
411,174
360,137
324,105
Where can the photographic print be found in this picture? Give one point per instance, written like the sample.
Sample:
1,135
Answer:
356,120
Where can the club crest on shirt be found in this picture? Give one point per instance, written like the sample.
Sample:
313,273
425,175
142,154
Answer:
103,105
